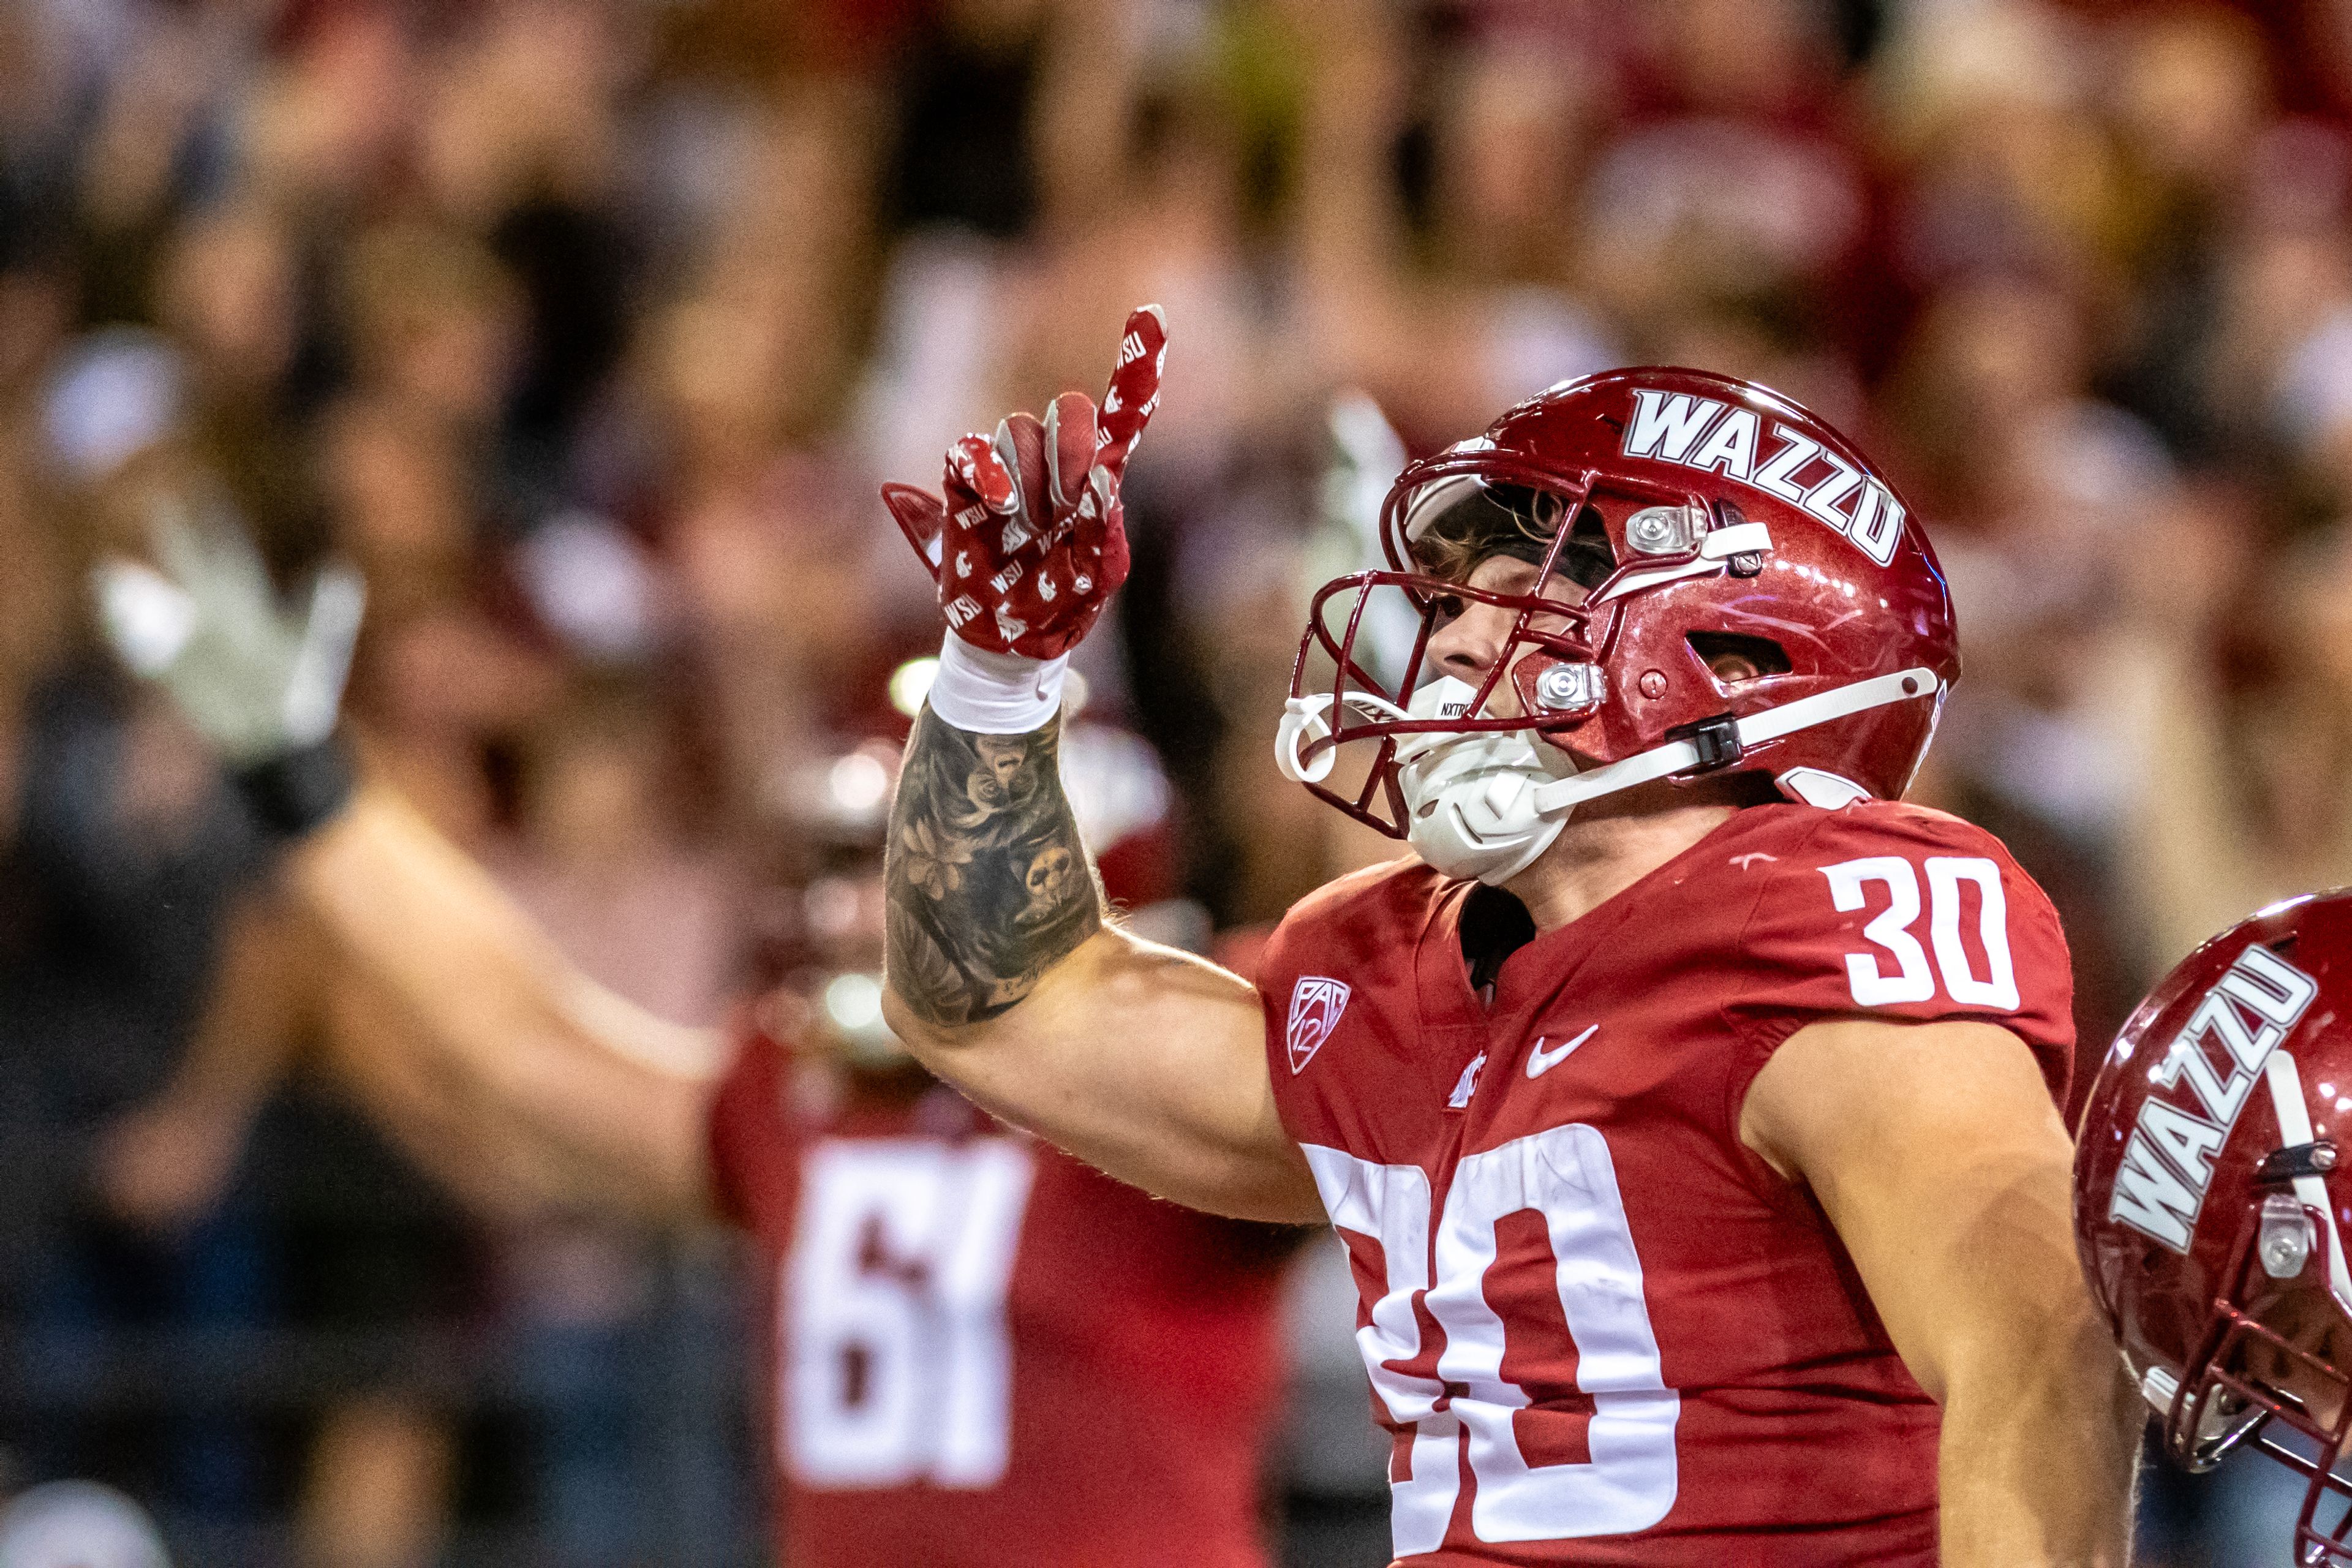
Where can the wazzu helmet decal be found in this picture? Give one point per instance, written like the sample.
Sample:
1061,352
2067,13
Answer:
2207,1208
1705,434
1709,514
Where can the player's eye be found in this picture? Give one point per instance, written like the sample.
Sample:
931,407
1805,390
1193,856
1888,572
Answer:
1444,609
1588,558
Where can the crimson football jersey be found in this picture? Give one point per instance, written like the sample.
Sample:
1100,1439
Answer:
986,1355
1599,1329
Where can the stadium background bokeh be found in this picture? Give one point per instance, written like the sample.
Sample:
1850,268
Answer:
587,327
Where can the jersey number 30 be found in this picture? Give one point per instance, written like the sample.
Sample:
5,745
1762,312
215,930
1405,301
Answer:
1891,931
1473,1384
896,1365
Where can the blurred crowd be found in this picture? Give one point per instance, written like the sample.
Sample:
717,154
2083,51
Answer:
586,328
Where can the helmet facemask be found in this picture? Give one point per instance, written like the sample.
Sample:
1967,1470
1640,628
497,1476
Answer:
1440,766
2256,1370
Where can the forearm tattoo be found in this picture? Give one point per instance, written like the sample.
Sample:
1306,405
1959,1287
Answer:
988,885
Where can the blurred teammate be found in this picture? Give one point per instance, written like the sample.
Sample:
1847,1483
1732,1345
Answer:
984,1354
2208,1204
1687,1106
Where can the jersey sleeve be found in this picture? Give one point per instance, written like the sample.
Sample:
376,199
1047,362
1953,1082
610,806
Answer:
753,1136
1335,979
1896,911
1276,971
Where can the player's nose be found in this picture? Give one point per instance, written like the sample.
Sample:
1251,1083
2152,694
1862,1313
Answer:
1467,647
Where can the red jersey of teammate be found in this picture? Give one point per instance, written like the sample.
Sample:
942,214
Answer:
987,1353
1600,1328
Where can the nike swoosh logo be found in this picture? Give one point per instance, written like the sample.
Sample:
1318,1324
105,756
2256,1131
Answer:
1540,1061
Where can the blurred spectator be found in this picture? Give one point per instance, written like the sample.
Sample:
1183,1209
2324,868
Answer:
124,857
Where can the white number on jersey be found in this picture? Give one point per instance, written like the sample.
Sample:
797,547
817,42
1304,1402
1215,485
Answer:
1566,1175
1891,932
896,1365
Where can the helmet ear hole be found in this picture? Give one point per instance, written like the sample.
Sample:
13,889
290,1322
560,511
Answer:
1733,657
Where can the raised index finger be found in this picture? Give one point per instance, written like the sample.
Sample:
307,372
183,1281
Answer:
1134,390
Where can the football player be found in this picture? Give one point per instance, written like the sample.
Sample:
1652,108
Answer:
985,1353
2207,1203
1687,1104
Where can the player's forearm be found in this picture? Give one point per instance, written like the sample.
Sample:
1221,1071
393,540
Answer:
264,987
505,1166
517,1039
988,885
2041,1447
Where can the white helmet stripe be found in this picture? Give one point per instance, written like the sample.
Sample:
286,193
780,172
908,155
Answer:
2285,1083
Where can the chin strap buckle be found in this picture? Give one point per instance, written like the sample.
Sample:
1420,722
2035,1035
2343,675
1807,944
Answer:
1715,739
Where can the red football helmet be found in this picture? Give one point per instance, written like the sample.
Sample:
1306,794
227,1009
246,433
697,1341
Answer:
2205,1200
1701,513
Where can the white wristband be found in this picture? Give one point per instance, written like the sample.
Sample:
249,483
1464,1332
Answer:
989,693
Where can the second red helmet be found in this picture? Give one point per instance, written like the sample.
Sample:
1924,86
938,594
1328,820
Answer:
2209,1208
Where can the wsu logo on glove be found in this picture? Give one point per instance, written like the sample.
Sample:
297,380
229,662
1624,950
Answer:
1030,518
1316,1004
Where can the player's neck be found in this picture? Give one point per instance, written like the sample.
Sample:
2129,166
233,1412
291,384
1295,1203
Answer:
1598,856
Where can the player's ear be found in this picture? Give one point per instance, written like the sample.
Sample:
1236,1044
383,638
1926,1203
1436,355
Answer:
1733,659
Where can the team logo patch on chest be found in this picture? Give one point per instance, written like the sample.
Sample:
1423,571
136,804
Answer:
1315,1003
1466,1085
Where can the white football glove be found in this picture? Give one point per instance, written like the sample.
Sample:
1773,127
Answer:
262,683
1364,457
